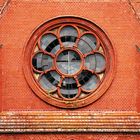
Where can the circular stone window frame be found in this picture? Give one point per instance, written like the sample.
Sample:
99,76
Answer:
110,61
68,49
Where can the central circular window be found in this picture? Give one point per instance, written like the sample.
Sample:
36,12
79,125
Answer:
69,62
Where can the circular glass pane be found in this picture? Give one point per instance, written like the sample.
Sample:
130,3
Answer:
69,88
90,62
42,62
49,43
68,62
84,77
49,81
100,62
95,62
88,80
92,83
87,43
68,36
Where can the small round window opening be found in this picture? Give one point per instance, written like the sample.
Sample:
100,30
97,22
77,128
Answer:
69,62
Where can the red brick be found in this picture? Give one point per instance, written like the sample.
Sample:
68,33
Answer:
114,17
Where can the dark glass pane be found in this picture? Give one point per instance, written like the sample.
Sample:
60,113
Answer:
90,62
47,62
87,43
69,93
92,83
68,62
50,80
68,36
42,62
69,88
37,61
50,43
68,31
100,62
69,83
68,41
84,77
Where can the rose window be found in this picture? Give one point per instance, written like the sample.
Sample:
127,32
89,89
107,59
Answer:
69,62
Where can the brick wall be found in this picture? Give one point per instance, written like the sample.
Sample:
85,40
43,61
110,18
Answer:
120,21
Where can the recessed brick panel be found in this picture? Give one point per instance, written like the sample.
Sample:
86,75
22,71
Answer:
114,17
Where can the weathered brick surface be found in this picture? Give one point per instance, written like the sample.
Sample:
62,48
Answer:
2,2
119,24
115,17
70,137
136,6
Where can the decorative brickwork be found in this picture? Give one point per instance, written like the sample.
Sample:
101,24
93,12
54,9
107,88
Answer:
49,121
118,108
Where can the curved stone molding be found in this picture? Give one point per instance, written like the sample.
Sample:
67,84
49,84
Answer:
3,7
